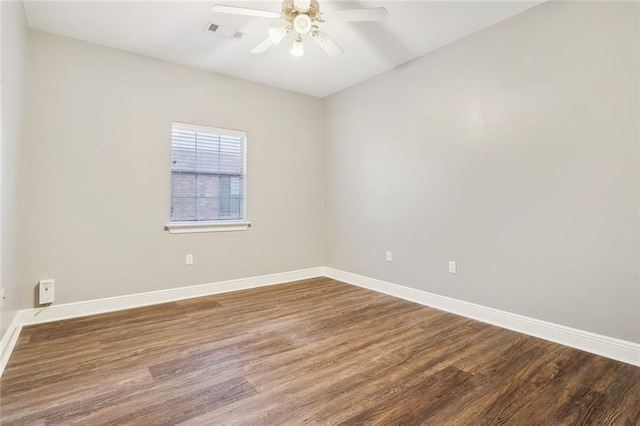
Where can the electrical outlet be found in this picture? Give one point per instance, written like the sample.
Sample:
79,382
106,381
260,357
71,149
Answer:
46,291
453,268
189,259
389,256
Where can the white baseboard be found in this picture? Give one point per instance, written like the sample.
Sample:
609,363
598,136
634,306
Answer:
609,347
117,303
9,341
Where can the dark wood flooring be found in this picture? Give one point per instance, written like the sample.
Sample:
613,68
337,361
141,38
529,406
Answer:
311,352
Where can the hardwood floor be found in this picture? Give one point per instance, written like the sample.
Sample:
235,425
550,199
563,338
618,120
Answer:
312,352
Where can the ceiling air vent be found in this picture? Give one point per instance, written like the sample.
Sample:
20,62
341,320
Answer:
221,31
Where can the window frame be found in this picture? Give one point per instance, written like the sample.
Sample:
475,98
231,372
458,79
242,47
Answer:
196,226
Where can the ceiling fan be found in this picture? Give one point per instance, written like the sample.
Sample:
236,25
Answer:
300,18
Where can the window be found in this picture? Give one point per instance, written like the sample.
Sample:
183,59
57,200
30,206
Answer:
207,179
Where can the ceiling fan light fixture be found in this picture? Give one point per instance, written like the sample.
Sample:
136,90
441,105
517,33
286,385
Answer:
302,4
297,48
299,17
302,23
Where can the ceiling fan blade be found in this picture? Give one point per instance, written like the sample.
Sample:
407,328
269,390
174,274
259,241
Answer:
325,42
278,30
302,4
263,46
355,15
332,48
221,8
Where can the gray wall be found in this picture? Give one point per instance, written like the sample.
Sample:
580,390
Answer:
13,50
513,152
94,220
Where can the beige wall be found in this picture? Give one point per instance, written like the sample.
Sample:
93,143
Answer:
13,50
513,152
94,220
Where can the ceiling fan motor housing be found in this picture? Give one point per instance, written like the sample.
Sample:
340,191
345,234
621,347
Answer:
290,11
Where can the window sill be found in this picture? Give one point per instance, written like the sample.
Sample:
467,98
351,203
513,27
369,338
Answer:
195,227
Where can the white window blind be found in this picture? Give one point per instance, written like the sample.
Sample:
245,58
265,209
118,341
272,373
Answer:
207,174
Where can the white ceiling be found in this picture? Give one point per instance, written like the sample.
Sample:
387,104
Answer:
173,31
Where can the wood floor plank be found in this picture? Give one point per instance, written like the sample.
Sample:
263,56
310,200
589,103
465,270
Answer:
309,352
